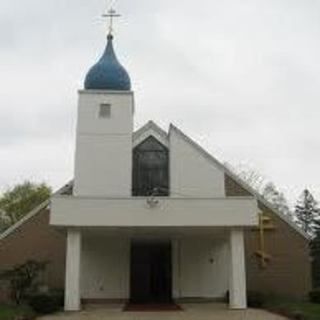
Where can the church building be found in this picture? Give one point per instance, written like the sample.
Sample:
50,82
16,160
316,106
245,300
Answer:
151,217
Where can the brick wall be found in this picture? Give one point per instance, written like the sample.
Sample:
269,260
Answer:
289,271
35,240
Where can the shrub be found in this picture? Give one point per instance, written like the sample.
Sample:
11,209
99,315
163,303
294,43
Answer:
298,315
23,278
314,295
46,303
13,312
288,313
255,299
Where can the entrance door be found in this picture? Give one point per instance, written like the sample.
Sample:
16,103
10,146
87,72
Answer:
150,273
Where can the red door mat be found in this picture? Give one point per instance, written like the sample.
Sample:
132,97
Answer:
152,307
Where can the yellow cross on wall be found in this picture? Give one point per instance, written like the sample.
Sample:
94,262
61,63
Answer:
264,225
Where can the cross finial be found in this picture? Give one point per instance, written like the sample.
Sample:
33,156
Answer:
111,14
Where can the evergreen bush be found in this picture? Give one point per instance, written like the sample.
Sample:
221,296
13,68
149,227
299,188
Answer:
255,299
314,295
46,303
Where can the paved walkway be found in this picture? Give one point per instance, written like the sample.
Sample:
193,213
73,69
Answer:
203,311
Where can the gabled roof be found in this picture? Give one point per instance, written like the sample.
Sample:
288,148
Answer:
45,204
150,128
25,218
240,181
153,129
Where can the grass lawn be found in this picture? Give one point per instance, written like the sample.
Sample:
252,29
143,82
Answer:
11,312
310,310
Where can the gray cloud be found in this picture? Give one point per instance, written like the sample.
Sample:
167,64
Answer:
241,77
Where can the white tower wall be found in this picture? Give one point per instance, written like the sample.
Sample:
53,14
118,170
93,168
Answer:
103,161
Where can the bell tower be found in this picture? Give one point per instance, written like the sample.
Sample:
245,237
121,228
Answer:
103,160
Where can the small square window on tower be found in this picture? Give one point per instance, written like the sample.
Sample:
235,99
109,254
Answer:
105,110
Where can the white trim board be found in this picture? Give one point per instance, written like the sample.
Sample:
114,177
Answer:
150,129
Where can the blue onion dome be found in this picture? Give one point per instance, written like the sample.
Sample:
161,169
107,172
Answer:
108,73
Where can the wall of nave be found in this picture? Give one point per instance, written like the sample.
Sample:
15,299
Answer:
200,267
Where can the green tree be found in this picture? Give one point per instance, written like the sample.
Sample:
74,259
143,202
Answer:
21,199
276,198
264,187
307,212
4,221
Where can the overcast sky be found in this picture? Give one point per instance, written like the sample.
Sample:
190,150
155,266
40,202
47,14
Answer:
242,78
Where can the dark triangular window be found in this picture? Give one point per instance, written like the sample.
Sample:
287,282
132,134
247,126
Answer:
150,169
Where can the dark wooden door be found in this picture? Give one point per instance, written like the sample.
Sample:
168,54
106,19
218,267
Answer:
151,273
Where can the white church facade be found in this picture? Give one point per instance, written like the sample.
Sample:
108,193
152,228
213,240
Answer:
151,218
148,219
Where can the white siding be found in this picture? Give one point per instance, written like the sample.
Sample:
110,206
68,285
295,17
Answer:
200,268
203,268
105,268
168,212
104,166
191,173
104,145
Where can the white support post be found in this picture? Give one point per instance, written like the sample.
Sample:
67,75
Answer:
238,291
73,260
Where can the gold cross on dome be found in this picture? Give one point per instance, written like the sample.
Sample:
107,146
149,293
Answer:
111,14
